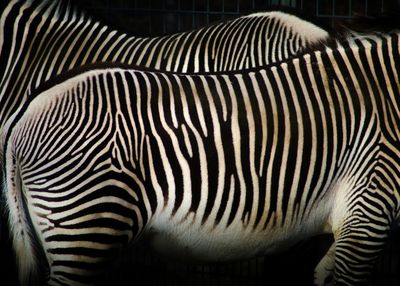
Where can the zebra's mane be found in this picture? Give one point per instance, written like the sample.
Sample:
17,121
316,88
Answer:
385,22
364,33
353,36
61,8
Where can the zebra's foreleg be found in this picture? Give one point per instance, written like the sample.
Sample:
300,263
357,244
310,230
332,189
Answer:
358,244
323,274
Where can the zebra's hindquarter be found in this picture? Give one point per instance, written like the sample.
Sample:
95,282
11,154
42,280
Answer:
83,198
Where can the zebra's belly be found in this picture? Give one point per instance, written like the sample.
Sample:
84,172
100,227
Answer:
195,243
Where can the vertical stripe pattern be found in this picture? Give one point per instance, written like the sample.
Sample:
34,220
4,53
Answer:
211,167
41,38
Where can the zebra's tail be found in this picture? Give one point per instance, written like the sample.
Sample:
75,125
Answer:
21,230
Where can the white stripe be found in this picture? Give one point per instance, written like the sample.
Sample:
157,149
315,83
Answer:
272,153
236,141
252,143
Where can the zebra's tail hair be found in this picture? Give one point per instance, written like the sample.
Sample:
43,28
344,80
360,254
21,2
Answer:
21,231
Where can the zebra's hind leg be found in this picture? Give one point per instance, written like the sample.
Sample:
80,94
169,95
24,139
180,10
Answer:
358,244
81,248
78,262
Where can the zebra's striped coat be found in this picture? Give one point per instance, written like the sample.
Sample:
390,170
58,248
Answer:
214,166
40,39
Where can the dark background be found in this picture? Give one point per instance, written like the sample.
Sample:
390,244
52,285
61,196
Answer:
158,17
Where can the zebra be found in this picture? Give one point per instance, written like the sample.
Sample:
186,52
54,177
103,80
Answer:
211,166
40,39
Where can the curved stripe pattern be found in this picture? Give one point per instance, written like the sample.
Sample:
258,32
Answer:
211,167
40,39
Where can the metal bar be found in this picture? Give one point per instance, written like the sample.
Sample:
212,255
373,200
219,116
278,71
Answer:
193,14
180,16
150,24
350,8
147,10
164,20
223,9
336,16
208,12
